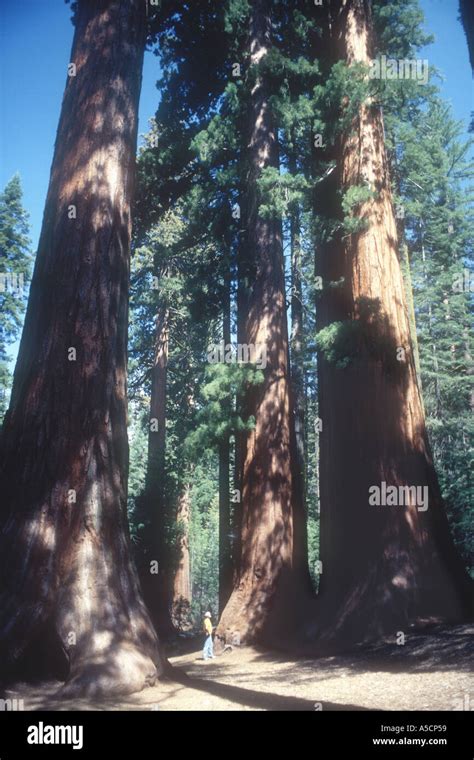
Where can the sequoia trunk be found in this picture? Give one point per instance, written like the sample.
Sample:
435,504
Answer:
181,610
225,544
385,566
155,563
258,607
64,554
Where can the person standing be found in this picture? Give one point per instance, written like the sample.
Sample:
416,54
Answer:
208,651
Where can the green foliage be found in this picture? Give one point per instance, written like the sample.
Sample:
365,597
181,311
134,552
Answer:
204,538
15,268
138,443
399,28
278,192
367,337
217,418
352,201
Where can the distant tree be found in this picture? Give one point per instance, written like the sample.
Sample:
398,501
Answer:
188,169
204,538
182,589
15,270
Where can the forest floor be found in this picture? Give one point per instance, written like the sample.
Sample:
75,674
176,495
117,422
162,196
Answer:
432,671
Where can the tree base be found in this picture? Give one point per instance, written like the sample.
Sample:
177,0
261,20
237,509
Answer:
123,670
263,615
370,613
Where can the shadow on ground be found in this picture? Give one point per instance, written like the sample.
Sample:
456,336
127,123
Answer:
430,671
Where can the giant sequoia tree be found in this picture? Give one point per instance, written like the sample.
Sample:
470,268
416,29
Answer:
390,565
156,585
264,582
66,572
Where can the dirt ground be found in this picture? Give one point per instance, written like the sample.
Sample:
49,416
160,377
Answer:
432,671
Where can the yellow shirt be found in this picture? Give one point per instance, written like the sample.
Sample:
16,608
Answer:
208,626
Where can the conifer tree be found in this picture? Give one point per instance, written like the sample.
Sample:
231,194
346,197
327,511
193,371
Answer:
384,565
15,266
67,580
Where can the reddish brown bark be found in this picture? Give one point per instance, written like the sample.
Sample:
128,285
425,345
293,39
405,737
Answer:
297,359
157,586
259,605
225,544
181,610
384,567
65,559
157,431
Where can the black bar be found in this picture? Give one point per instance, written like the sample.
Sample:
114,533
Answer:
316,734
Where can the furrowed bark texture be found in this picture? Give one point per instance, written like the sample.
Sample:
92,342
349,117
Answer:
64,554
157,586
182,592
258,606
384,567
